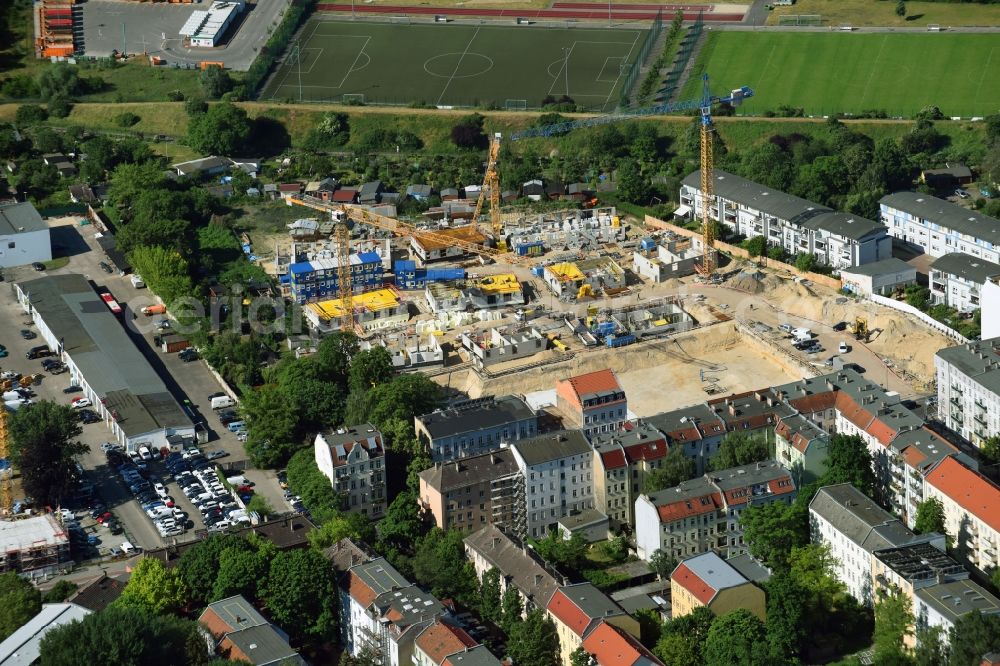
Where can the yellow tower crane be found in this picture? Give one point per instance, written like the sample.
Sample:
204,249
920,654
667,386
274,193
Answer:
6,475
491,188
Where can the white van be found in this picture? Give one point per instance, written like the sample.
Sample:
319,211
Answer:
802,334
222,401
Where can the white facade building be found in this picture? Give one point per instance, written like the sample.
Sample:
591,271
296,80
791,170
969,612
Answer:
968,386
557,471
354,461
939,227
206,28
881,277
24,236
957,279
990,309
799,226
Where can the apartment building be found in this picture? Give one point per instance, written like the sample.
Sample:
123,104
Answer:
794,224
577,610
939,227
708,581
703,514
381,610
594,402
520,567
854,527
239,631
622,460
318,279
971,512
610,645
802,447
968,387
937,587
957,279
696,429
557,474
354,461
474,427
442,643
468,493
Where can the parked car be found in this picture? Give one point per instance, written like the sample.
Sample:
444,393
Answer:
28,335
105,267
214,455
38,266
842,348
72,388
188,355
80,403
962,194
89,416
840,326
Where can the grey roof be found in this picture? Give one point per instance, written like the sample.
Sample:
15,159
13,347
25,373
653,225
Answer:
977,360
956,170
474,656
945,214
889,266
750,568
411,606
470,471
522,567
714,571
759,197
21,647
419,190
203,164
966,266
844,225
237,612
264,645
475,416
685,417
722,481
583,519
921,562
640,597
99,346
859,519
379,575
20,218
552,446
955,598
594,603
370,189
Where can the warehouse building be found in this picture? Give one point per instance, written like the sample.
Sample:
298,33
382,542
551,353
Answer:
207,28
24,236
117,379
798,226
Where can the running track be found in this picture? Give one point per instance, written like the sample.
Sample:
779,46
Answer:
569,13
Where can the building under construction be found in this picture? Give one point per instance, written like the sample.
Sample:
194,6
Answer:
492,347
427,249
563,230
585,278
34,547
373,310
484,293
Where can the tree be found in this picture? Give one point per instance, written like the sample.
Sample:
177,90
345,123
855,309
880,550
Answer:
991,448
243,568
154,589
301,594
345,526
849,461
675,468
570,554
439,563
164,270
772,530
633,187
580,657
893,619
786,611
916,296
42,435
738,448
468,133
216,82
663,563
130,181
30,114
972,636
259,504
59,592
125,636
805,262
930,516
735,638
222,130
932,648
60,80
533,641
369,369
19,602
272,424
683,638
489,595
812,568
315,489
510,609
59,106
199,565
901,9
755,246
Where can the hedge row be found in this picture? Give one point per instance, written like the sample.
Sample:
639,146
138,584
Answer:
298,12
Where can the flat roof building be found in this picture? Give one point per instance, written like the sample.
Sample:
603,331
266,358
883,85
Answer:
35,547
120,383
24,235
22,647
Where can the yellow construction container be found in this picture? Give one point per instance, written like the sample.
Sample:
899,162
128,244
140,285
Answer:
370,301
503,283
566,271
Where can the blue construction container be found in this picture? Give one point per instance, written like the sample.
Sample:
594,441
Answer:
619,340
532,248
647,244
538,271
605,328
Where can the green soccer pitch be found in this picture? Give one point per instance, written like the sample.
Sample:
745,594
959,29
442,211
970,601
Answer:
455,65
839,72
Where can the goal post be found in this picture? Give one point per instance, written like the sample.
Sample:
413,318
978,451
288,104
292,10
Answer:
353,98
516,105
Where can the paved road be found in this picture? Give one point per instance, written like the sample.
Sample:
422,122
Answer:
153,28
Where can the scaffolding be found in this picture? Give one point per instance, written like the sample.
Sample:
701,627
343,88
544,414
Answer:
37,544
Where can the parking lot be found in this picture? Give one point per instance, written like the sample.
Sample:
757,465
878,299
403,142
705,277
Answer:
190,383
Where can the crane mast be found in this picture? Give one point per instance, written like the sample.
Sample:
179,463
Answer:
491,187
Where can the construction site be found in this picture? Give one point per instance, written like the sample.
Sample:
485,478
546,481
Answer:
35,546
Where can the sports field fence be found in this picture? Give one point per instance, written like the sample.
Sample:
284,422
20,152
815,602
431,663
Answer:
632,74
689,42
813,20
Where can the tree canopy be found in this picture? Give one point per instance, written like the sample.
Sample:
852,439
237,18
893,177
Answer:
533,641
739,448
674,468
153,588
930,516
222,130
738,637
44,448
301,595
19,602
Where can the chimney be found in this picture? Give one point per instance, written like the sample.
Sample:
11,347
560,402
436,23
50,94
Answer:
538,579
496,542
732,409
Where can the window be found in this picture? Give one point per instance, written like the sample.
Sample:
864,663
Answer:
10,245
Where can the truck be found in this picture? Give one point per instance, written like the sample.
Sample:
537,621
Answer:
157,309
137,281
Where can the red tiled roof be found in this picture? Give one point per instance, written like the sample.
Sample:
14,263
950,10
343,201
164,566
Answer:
852,411
594,382
568,613
359,590
614,459
800,442
647,450
913,456
611,646
693,583
215,624
881,431
689,433
809,404
345,196
738,496
687,508
440,640
970,490
290,187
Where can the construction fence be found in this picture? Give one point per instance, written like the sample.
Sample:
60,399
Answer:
632,75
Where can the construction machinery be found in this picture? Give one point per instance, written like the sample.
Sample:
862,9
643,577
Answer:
491,188
704,106
860,329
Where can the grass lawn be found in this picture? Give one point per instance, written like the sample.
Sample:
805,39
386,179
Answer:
883,13
58,262
827,73
455,64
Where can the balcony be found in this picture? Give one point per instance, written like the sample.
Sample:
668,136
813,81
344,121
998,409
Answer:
956,389
956,402
957,417
979,419
979,403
